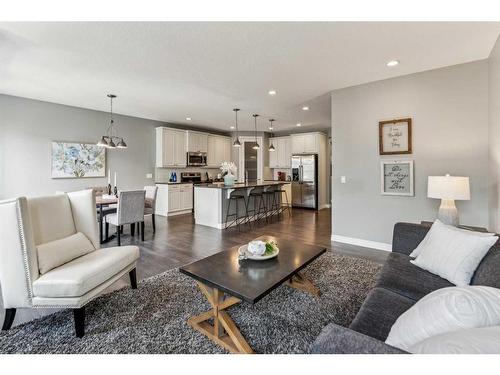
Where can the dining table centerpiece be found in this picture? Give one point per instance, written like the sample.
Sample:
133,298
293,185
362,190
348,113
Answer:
229,171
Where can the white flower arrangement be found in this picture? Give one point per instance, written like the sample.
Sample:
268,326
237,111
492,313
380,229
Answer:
229,168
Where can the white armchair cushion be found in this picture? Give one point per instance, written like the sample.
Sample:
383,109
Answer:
56,253
83,274
51,218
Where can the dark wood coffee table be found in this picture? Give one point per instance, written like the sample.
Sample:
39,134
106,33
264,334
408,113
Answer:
225,281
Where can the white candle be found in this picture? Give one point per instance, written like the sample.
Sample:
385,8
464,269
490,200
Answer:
115,180
109,176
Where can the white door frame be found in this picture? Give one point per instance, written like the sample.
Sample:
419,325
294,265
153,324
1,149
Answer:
241,157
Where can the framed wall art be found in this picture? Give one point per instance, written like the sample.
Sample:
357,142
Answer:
395,136
77,160
396,177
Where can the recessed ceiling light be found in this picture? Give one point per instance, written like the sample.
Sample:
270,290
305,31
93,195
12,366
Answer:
231,127
272,92
299,124
305,108
188,118
392,63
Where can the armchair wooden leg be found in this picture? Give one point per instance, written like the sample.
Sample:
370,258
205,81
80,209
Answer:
133,278
142,230
153,220
118,233
79,315
132,229
10,314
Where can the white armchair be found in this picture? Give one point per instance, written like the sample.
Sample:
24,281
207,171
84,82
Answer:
50,255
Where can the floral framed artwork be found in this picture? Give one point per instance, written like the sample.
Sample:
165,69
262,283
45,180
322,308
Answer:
395,136
396,177
77,160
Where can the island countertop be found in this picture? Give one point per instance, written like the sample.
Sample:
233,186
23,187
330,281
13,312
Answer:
241,185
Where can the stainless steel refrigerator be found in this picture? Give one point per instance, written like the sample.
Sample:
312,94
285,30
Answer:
305,181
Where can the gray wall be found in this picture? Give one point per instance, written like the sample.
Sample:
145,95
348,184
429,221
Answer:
494,135
27,128
449,108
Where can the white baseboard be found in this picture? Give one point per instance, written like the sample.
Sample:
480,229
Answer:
360,242
182,212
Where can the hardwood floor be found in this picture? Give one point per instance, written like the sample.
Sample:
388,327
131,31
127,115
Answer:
178,241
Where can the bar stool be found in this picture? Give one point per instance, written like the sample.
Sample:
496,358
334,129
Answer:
236,197
270,203
279,196
259,206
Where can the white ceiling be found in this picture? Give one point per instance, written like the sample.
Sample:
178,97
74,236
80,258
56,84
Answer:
168,71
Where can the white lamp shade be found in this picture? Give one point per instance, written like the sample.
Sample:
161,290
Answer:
448,187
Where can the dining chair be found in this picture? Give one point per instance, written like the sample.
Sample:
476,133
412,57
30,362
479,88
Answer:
150,203
130,211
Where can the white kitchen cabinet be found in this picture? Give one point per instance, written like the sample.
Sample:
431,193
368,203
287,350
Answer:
197,142
170,147
219,150
186,195
305,143
273,155
174,199
281,158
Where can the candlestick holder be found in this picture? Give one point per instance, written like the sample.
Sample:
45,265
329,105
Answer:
109,189
115,191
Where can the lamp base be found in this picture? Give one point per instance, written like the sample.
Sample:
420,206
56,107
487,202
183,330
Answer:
448,213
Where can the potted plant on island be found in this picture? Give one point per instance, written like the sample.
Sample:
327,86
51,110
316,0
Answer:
229,171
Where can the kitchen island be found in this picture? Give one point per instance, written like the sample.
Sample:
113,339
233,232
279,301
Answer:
211,200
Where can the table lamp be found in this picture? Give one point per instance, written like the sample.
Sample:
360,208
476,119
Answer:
448,189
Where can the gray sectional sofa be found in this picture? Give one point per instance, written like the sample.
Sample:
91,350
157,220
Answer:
400,284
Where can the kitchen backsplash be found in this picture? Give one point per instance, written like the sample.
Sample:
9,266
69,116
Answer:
163,174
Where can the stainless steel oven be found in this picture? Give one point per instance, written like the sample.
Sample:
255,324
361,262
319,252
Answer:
197,159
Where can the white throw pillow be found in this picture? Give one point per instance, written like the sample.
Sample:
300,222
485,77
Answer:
446,310
453,253
485,340
56,253
438,227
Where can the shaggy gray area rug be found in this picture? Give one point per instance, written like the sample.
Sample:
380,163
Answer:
152,319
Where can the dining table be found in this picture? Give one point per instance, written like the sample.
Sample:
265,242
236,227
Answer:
103,201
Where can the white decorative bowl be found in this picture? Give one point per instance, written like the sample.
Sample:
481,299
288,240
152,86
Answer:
245,254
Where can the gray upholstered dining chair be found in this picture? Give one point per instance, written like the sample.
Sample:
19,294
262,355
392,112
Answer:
150,205
130,211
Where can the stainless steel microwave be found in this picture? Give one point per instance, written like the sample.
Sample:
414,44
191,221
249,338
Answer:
197,159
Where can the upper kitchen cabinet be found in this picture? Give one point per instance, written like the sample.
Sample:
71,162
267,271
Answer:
170,147
306,143
197,142
219,150
281,157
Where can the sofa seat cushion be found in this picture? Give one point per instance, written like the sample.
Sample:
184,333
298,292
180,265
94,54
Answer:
56,253
402,277
83,274
378,313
